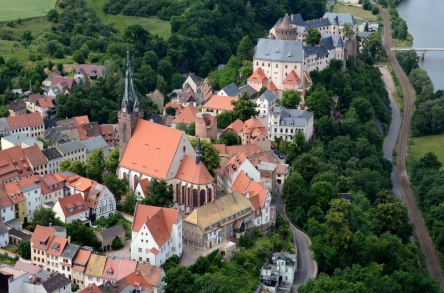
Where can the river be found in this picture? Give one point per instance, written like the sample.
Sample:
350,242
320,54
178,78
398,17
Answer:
423,19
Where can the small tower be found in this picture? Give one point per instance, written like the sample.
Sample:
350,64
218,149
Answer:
130,110
198,152
285,30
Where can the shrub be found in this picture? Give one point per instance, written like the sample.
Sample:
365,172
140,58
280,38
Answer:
245,242
78,57
60,67
117,243
32,57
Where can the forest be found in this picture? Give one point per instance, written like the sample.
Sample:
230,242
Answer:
362,245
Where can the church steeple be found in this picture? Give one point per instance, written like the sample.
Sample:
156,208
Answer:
198,152
130,103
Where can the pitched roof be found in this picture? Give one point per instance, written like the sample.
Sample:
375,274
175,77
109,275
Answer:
144,184
319,51
330,41
258,76
4,198
159,221
220,103
116,269
70,147
254,191
42,235
33,98
158,143
128,284
292,78
35,155
231,90
194,78
44,102
70,204
56,79
81,258
187,116
52,153
281,169
156,93
340,18
175,106
56,282
28,267
18,233
279,50
250,150
90,289
112,232
268,95
220,209
236,126
25,120
57,245
3,229
15,106
271,86
95,266
151,273
90,69
94,143
70,250
186,96
14,192
194,173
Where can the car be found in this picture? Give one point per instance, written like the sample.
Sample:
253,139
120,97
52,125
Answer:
276,152
272,147
281,156
262,115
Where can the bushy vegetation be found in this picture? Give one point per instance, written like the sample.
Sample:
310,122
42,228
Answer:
399,26
114,220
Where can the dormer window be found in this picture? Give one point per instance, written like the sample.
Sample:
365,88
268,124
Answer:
42,242
282,123
80,207
71,210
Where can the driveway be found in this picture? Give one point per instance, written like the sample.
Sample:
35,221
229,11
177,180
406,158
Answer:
189,255
124,252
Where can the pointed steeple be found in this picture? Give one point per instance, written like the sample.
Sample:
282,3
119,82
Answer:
130,103
198,152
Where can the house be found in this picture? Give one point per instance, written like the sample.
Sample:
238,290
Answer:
157,98
176,106
153,274
292,80
251,132
108,235
91,70
187,116
260,198
36,159
96,143
218,222
279,272
31,101
40,243
32,193
361,25
55,79
282,173
373,27
134,282
334,45
218,104
231,90
117,269
285,123
100,200
11,279
93,288
14,165
47,282
141,189
45,107
79,263
258,79
207,91
185,98
17,108
66,259
27,266
193,82
54,158
156,234
19,200
71,208
5,130
7,206
18,140
73,151
53,253
4,235
109,134
29,124
265,103
74,183
94,270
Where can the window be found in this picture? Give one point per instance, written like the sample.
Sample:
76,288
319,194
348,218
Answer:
140,258
140,249
90,278
98,279
147,250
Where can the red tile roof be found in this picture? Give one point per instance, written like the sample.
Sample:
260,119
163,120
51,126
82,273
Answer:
159,221
157,143
116,269
56,79
42,234
292,78
4,198
151,273
81,258
253,190
220,103
90,69
258,76
14,192
250,150
281,169
187,116
49,180
57,246
45,102
90,289
271,86
236,126
144,184
35,156
33,98
73,201
192,173
176,106
25,120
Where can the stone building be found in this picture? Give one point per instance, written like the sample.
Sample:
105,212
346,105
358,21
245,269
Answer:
206,125
107,236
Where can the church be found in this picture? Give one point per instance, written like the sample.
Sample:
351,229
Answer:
149,150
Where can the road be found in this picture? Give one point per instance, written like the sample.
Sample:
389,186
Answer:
425,243
307,267
329,4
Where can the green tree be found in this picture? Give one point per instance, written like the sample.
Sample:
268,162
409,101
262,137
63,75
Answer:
95,165
224,119
408,60
78,57
245,49
201,265
320,102
159,194
347,29
210,155
313,37
430,160
44,217
118,187
81,234
170,111
27,36
244,109
339,234
290,99
117,243
24,249
191,129
393,218
373,45
228,138
76,167
179,280
52,15
182,127
112,163
129,203
322,192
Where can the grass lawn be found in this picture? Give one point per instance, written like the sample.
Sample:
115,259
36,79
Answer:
419,146
408,43
15,9
357,11
152,24
11,248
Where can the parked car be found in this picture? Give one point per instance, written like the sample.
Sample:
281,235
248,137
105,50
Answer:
281,156
272,147
276,152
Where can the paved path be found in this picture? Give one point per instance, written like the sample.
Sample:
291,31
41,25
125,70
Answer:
395,125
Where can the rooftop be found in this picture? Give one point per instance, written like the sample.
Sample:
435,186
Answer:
220,103
95,266
112,232
279,50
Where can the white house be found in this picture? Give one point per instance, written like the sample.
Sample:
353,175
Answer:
54,158
265,103
73,151
33,193
101,201
46,282
156,234
4,235
280,272
193,82
71,208
285,123
45,107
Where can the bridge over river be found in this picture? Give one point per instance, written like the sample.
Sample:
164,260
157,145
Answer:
422,50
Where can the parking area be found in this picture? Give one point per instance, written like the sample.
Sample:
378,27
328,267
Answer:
189,255
123,252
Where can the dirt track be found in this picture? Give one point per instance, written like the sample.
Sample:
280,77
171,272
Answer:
421,232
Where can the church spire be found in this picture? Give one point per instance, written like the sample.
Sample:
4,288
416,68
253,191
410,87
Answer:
198,152
130,103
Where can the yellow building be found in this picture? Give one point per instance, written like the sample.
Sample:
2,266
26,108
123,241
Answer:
15,194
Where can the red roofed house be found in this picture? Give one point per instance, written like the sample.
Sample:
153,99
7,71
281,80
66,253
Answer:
91,70
142,188
291,81
36,159
187,116
71,208
116,269
156,234
54,251
79,266
218,104
157,98
30,125
14,165
251,132
258,79
45,107
40,243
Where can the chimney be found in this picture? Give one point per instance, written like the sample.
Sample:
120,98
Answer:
50,224
69,239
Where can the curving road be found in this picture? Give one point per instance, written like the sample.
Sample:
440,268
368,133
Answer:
425,243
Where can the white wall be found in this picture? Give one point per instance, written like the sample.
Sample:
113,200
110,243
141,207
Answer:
4,239
7,213
106,204
279,73
33,201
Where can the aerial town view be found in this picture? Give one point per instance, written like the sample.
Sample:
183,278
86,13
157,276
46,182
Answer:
221,146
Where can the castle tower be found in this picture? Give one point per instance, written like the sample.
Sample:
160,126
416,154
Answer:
206,125
130,110
285,31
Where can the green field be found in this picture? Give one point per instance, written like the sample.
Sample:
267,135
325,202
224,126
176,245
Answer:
419,146
15,9
152,24
357,11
